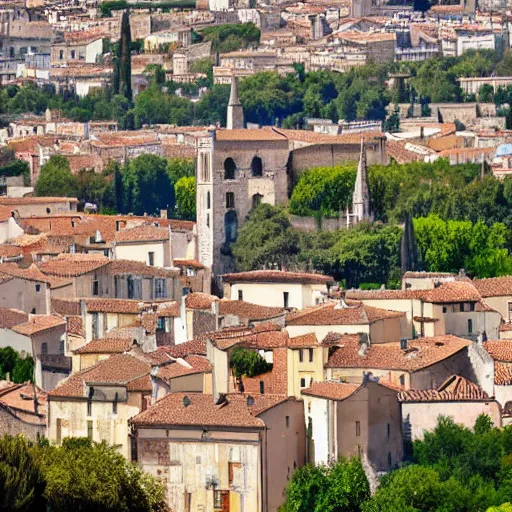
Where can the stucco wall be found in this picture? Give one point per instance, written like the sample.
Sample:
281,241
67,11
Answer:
9,424
500,304
23,295
140,252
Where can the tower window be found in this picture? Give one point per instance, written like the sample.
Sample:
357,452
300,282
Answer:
257,166
208,202
230,226
256,200
230,199
229,169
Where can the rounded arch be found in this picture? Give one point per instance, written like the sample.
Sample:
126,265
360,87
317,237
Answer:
231,226
256,200
257,166
229,169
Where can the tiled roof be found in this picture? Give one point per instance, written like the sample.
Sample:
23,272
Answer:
195,364
75,325
136,267
331,390
31,273
457,291
305,340
39,323
455,388
201,411
276,276
427,275
141,384
106,346
195,346
247,311
311,137
499,350
272,337
11,317
10,251
199,300
18,399
336,338
66,306
69,265
13,201
129,306
188,263
494,286
168,309
262,134
117,369
331,314
502,374
421,353
144,233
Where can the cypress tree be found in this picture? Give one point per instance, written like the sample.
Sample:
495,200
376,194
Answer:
115,66
125,58
408,249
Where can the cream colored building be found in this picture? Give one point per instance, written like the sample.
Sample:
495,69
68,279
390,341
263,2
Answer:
277,288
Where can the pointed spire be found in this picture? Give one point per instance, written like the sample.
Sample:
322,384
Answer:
361,207
235,118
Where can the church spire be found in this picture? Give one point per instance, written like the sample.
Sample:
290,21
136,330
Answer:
361,207
235,117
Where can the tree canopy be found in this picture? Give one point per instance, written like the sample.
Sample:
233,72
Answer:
56,177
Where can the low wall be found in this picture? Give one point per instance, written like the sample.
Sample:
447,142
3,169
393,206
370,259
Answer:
314,224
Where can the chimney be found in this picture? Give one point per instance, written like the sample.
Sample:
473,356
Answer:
404,343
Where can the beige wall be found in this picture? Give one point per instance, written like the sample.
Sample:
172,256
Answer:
23,295
500,304
305,369
419,417
140,252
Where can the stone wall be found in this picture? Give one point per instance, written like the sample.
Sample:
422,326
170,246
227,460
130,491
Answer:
314,224
9,424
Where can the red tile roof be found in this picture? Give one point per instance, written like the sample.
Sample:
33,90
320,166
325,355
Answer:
196,346
129,306
499,350
276,276
262,134
188,263
75,325
421,353
11,317
333,314
494,286
199,300
306,340
193,409
455,388
39,323
332,390
117,267
106,346
31,273
247,311
194,364
502,374
144,233
18,399
70,265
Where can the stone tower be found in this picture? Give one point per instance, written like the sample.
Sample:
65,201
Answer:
235,118
361,206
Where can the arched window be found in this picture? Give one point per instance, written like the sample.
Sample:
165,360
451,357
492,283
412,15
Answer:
256,200
229,169
205,168
257,166
230,226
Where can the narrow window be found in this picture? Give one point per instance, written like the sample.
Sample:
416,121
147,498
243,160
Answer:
471,306
89,408
302,382
257,166
131,287
358,428
114,405
61,347
285,299
229,169
470,326
402,380
230,200
231,226
61,54
389,460
461,307
262,387
95,326
240,295
208,200
44,348
256,200
95,286
89,429
444,309
389,431
59,430
301,356
38,287
287,421
151,259
73,54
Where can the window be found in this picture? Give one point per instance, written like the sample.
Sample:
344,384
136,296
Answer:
262,387
217,499
95,286
301,356
287,421
232,467
240,295
95,326
310,350
33,311
230,200
160,291
89,408
61,54
257,166
38,287
205,167
207,220
461,307
302,382
208,201
444,309
73,54
151,259
44,349
59,430
131,287
470,326
229,169
61,347
389,431
133,449
116,287
256,200
114,404
402,380
285,299
358,428
471,306
230,226
89,429
160,324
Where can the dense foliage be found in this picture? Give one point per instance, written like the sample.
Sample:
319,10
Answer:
19,369
231,37
79,475
186,197
247,363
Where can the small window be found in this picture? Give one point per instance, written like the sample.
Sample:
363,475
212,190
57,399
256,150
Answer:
287,421
471,306
114,404
230,200
73,54
262,387
131,287
151,259
285,299
208,201
61,347
389,431
301,356
89,408
61,54
240,295
160,324
89,429
33,311
461,307
44,348
470,326
229,169
95,325
217,500
38,287
310,355
207,220
256,200
358,428
257,166
444,309
302,382
95,286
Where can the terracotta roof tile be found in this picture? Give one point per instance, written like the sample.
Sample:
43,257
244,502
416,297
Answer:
262,134
499,350
11,317
75,325
458,291
70,265
168,309
270,338
199,300
31,273
332,390
144,233
305,340
196,346
247,311
502,374
139,268
194,364
18,399
311,137
277,276
455,388
494,286
129,306
66,306
336,338
188,263
106,346
421,353
332,314
199,410
13,201
141,384
39,323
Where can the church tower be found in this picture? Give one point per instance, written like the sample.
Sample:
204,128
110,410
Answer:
361,206
235,118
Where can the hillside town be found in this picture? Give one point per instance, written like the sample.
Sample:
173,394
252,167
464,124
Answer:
256,256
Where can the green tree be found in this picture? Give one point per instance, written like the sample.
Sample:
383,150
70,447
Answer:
9,358
212,107
56,177
506,507
181,168
305,490
147,186
23,370
247,363
231,37
125,58
186,197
